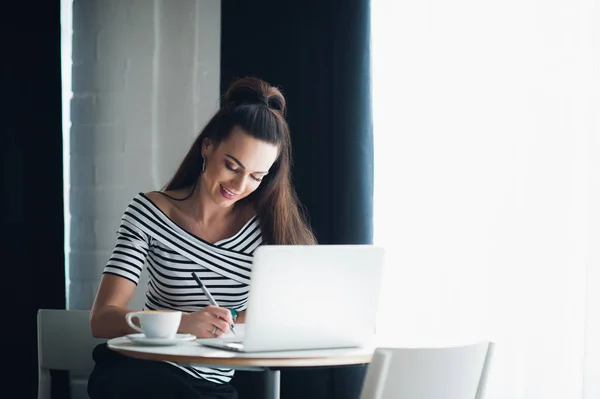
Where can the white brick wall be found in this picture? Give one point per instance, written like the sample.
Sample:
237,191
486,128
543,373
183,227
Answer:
145,79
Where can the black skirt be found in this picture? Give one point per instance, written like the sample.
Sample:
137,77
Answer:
118,376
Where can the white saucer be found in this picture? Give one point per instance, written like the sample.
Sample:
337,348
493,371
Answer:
142,339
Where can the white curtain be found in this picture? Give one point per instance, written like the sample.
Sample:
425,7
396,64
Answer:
487,184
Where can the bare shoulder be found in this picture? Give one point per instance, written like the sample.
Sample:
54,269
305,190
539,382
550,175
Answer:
165,201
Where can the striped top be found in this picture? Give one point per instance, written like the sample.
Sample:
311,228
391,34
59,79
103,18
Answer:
147,237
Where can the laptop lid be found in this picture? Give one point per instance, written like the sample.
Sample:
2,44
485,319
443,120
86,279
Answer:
313,297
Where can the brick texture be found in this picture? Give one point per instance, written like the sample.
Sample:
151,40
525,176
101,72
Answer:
145,79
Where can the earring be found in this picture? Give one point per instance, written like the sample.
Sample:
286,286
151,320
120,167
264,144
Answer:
203,164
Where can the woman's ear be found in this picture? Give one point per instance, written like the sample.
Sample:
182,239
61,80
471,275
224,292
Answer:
207,147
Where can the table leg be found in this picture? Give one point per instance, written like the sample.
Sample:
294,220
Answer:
272,383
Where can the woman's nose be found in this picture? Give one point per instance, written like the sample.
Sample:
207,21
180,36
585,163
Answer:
239,183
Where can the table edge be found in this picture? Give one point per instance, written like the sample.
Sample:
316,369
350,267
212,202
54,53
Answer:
360,358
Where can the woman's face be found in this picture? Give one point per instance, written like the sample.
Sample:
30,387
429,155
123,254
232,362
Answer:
236,166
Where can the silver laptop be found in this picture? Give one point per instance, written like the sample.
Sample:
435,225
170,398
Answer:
310,297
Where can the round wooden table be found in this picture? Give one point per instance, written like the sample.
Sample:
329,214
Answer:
193,353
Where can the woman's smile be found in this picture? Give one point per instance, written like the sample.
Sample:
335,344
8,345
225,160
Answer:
230,195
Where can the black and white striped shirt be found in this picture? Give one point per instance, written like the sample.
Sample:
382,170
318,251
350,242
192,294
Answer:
149,238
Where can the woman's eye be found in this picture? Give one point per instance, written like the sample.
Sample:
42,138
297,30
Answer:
234,170
231,168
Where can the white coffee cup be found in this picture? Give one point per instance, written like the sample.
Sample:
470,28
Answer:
156,323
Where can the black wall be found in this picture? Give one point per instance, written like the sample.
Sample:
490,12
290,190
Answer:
317,52
32,181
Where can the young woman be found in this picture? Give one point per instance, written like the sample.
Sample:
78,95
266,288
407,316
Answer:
231,193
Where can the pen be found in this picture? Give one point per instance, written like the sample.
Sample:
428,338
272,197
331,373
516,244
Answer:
208,295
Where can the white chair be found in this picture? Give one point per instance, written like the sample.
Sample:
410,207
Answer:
65,342
458,372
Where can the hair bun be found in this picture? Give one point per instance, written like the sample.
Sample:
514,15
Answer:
252,90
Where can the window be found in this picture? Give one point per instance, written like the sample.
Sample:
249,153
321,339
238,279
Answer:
486,194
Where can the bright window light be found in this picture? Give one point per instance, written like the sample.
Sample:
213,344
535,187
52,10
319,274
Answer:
486,193
66,21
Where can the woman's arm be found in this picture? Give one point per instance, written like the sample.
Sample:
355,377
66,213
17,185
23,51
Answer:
109,310
120,276
107,317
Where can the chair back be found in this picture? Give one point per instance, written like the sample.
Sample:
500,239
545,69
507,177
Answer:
428,373
65,342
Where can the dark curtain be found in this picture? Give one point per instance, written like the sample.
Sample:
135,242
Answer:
33,274
318,53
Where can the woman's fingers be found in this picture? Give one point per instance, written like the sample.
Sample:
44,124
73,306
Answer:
221,313
221,325
211,321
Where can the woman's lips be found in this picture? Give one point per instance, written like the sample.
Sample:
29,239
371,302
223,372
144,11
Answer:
227,193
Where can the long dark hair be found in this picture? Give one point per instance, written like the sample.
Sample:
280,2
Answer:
259,109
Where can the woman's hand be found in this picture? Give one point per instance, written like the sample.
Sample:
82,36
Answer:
209,322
